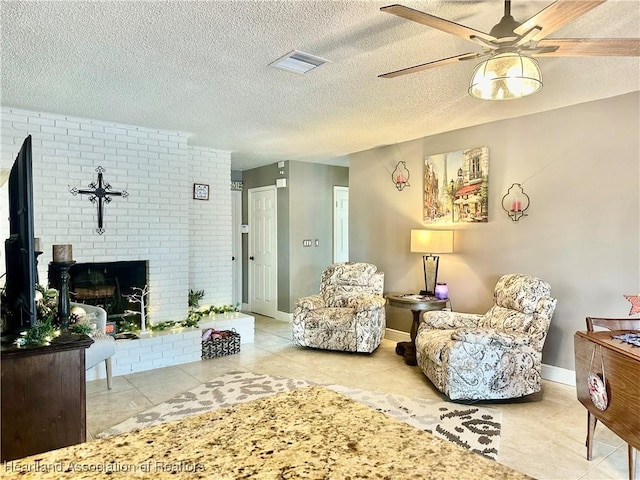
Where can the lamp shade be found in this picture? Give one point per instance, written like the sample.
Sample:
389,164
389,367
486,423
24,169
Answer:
432,241
506,76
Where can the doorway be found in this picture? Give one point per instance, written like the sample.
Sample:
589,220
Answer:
340,224
262,241
236,249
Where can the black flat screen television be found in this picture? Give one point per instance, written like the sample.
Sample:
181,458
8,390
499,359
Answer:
18,306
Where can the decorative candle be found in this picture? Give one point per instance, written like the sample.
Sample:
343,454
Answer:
442,291
516,205
400,179
62,253
36,244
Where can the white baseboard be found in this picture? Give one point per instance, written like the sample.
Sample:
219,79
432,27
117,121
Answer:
549,372
396,335
559,375
284,316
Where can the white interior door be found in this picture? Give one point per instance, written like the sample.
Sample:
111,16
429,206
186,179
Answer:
236,249
263,266
340,224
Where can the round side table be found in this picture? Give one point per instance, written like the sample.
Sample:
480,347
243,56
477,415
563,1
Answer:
417,304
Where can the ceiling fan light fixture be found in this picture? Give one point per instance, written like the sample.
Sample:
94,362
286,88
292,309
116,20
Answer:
506,76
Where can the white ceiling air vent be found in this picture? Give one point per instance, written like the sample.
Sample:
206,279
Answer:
298,62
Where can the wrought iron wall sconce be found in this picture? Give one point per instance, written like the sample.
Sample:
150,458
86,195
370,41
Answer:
400,176
515,202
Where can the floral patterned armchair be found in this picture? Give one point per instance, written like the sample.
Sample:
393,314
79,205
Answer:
348,313
491,356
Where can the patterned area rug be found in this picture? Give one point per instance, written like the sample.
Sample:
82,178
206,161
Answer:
473,428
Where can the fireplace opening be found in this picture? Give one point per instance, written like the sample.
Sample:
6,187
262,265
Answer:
107,285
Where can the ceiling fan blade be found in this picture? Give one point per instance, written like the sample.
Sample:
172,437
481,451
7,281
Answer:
555,16
591,47
436,63
437,23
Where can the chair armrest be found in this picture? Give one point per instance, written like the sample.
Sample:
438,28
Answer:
367,302
541,321
310,303
445,320
490,336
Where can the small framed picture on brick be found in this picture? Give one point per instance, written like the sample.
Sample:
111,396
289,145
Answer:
200,191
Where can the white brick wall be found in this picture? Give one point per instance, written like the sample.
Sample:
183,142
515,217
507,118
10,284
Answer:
168,348
210,226
149,353
154,223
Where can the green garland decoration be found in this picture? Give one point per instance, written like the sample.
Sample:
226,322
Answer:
45,328
41,333
195,316
81,328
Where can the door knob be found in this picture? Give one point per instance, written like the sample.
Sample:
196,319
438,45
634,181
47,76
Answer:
251,258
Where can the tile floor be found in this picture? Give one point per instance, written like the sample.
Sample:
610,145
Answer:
542,436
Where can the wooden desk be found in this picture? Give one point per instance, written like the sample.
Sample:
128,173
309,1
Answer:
43,396
417,304
622,371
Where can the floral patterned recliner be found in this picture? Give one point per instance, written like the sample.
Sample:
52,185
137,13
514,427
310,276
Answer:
491,356
348,313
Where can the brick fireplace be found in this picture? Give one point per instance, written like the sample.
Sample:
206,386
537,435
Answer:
185,243
107,284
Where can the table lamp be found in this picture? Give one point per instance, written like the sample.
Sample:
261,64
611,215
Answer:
431,242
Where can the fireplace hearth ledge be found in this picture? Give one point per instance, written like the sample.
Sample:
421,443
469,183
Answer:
171,347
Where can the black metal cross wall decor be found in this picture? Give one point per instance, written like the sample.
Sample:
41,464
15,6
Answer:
99,193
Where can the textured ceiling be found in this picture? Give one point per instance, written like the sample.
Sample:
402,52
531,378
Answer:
202,67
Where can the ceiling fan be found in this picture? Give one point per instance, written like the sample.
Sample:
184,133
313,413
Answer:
510,72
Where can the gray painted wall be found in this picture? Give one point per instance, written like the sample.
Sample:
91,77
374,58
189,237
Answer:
304,211
236,176
581,168
311,217
285,223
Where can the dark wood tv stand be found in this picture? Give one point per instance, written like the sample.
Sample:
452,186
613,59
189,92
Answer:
43,396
